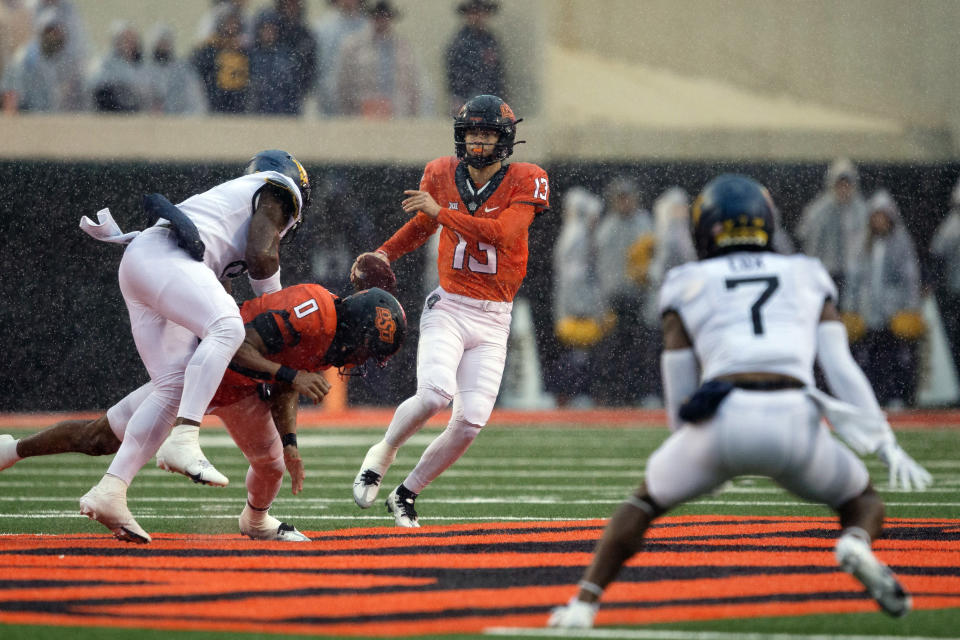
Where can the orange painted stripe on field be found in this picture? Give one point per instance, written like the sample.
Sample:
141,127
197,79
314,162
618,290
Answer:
287,589
162,582
450,601
361,417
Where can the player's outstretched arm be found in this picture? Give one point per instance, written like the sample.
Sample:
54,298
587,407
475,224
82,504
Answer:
870,431
283,407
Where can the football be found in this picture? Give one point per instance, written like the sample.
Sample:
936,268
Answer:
372,270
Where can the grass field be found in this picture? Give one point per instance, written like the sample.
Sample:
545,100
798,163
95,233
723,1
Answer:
506,534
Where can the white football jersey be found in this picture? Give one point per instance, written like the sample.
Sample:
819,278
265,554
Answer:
751,311
223,214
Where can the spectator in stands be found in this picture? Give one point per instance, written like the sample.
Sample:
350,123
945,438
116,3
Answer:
832,227
883,304
377,74
43,75
301,47
672,243
118,82
223,63
347,18
945,249
273,87
16,29
624,247
672,246
78,44
473,56
173,85
207,25
579,320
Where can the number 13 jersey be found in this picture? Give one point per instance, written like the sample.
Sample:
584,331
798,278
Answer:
483,240
751,312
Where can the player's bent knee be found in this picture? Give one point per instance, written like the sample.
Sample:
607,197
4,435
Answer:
432,400
229,330
464,430
96,438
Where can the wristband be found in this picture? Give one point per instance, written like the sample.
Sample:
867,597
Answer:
288,439
285,374
270,284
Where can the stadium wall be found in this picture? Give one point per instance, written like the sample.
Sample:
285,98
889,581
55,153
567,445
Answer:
63,326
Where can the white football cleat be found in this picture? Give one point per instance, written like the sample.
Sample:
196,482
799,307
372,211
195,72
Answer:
576,614
106,503
375,464
366,486
8,452
400,504
269,528
180,453
855,557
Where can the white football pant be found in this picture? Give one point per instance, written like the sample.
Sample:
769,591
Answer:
173,300
778,434
460,356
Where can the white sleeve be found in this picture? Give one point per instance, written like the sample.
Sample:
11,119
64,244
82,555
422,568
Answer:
681,377
865,429
844,376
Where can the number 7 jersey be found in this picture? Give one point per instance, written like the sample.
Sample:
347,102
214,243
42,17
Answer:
751,312
483,240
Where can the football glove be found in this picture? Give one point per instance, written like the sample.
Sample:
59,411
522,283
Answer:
905,472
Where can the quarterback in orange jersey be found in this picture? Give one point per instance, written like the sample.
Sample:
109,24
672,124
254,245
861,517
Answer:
290,334
482,207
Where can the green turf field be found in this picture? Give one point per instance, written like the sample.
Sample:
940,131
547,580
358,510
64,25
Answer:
511,475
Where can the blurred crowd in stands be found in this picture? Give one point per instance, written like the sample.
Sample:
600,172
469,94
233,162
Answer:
612,253
272,61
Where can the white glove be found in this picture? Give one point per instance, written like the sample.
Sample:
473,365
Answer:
576,614
905,472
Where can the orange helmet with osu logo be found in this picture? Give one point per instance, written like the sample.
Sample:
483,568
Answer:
370,324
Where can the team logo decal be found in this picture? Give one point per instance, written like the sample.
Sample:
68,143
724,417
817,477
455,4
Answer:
385,324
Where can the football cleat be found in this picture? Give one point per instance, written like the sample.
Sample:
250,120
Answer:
106,503
374,466
576,614
8,451
365,487
400,504
854,556
270,529
180,453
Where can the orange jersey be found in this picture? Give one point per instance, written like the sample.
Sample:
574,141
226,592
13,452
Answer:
306,321
483,240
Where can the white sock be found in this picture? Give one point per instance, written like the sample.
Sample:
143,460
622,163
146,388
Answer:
114,484
207,366
380,457
147,429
